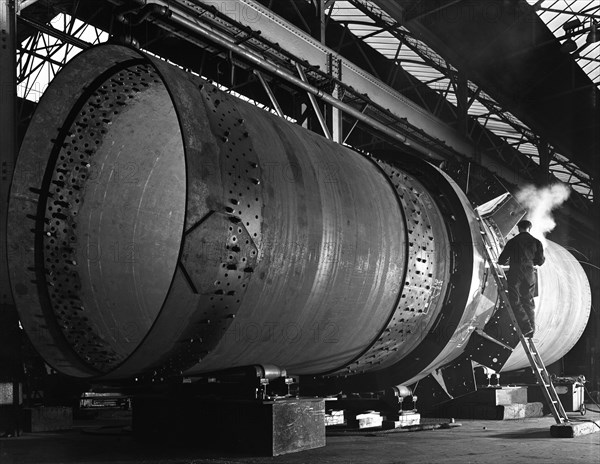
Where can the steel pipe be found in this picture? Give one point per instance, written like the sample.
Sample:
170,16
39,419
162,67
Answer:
205,30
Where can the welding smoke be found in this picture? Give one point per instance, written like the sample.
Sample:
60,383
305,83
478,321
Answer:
540,202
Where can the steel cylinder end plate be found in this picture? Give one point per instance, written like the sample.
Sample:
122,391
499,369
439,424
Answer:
86,167
110,212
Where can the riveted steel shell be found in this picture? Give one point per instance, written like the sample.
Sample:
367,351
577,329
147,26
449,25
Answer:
165,227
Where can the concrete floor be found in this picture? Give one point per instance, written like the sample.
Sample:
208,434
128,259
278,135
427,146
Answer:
105,440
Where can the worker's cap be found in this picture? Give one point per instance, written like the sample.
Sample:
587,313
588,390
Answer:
524,224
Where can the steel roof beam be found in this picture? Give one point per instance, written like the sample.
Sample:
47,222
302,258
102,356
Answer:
274,29
308,49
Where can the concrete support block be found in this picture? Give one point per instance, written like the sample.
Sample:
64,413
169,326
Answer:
10,393
574,429
520,411
497,396
491,412
47,418
268,428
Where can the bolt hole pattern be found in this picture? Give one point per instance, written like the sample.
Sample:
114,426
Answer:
71,172
418,290
242,206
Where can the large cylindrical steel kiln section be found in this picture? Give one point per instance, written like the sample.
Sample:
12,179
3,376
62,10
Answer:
163,226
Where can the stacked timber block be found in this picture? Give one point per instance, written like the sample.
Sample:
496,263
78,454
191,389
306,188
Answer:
364,420
334,417
403,419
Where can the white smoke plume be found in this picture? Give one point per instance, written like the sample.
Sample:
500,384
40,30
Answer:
539,203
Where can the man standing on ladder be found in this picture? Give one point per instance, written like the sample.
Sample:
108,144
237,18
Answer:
522,252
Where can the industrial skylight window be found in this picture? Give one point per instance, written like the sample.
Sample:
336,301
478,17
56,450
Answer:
575,23
377,29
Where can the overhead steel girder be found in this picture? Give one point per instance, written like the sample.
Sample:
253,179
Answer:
276,30
433,60
190,23
524,84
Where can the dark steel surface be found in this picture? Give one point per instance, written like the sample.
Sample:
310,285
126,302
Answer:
331,259
114,221
286,258
27,210
464,302
425,281
168,228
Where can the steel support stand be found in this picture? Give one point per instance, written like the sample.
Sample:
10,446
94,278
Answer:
10,345
322,20
336,119
336,114
8,149
462,97
315,104
545,156
334,66
271,95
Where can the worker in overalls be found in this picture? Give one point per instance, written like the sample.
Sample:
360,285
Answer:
522,253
